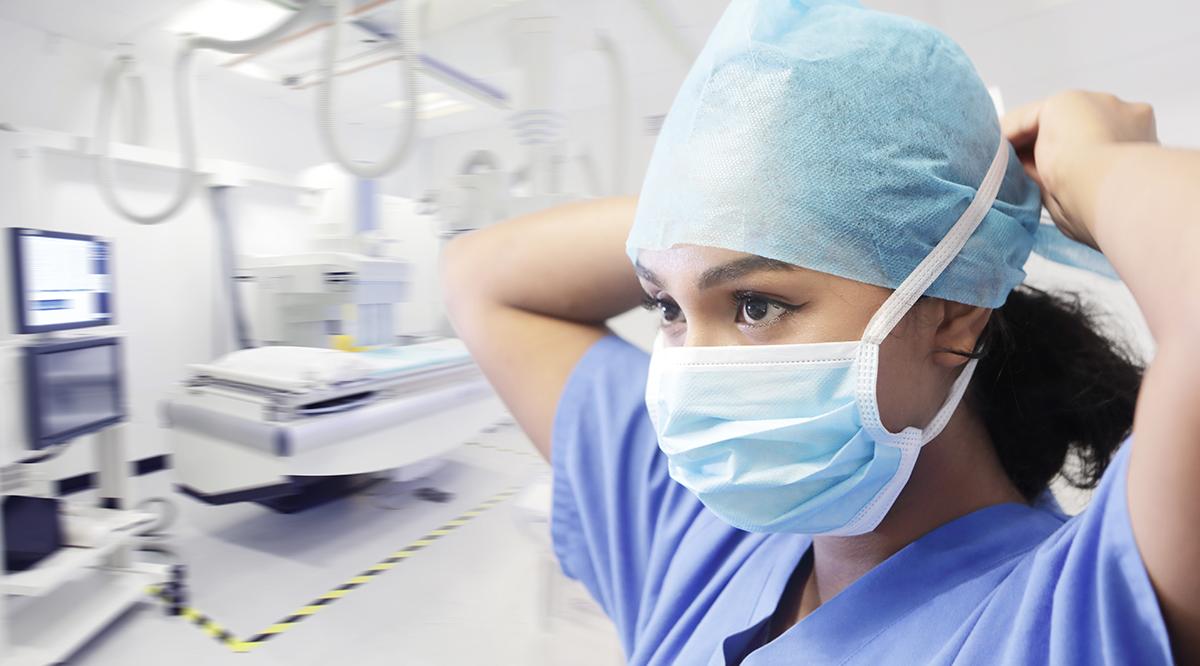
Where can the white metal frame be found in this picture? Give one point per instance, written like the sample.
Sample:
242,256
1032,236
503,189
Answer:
49,611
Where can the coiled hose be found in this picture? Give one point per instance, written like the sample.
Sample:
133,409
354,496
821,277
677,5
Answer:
406,43
122,65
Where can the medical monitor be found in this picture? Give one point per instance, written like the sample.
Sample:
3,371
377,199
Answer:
72,388
61,281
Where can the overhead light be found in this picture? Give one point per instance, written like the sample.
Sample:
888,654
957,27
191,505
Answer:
255,71
432,97
227,19
445,110
433,105
440,104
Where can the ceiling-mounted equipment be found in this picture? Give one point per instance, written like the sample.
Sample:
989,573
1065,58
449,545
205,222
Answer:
122,66
406,43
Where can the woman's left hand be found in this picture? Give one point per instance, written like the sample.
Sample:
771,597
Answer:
1056,136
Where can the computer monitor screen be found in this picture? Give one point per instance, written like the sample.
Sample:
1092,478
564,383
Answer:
62,280
72,388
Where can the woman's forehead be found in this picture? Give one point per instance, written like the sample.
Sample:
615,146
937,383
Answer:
687,266
683,258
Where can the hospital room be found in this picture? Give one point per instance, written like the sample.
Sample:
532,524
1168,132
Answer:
599,332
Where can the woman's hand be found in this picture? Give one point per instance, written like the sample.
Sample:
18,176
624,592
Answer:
1055,139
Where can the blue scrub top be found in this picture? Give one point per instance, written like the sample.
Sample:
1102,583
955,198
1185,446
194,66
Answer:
1008,584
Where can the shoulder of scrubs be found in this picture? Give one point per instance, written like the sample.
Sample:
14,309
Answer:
1081,596
614,503
1008,584
1098,603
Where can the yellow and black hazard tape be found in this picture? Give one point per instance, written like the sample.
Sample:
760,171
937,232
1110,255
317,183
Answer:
209,625
224,636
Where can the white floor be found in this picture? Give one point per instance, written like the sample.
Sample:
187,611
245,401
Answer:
488,592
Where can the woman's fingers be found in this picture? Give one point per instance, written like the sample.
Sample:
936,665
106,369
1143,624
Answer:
1020,126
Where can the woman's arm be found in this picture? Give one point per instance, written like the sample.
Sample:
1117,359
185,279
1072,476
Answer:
531,295
1108,183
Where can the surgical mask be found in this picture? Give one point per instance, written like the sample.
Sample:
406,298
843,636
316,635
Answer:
788,438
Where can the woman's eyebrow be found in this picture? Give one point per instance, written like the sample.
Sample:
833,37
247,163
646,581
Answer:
647,275
741,267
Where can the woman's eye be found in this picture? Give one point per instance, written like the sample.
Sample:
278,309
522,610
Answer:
668,310
758,311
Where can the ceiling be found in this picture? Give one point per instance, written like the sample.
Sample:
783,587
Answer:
99,23
471,36
1027,47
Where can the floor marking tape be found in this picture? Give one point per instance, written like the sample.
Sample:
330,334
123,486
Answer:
227,638
204,622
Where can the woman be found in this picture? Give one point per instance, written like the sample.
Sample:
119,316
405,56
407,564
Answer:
760,491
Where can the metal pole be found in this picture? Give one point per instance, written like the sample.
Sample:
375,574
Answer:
113,482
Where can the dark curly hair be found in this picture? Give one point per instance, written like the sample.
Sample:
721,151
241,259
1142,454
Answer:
1049,384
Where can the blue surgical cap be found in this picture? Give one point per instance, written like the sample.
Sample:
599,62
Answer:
838,139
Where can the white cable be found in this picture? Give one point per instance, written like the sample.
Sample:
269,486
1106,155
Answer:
619,83
405,42
136,114
183,112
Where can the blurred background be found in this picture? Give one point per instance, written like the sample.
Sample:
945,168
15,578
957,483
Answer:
292,231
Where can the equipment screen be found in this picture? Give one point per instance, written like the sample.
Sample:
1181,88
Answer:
63,281
72,388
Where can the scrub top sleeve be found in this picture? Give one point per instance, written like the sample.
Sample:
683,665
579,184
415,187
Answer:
615,510
1104,603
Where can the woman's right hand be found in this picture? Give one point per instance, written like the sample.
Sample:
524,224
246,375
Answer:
1055,139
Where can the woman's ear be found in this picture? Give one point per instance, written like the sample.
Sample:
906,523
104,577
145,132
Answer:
958,333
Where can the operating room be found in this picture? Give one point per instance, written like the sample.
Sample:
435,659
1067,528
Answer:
319,317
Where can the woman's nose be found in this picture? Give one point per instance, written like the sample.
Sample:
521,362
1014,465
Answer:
709,336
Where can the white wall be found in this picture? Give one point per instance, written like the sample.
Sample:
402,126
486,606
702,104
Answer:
166,275
1144,51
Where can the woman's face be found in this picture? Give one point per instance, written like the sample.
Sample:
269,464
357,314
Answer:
713,297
